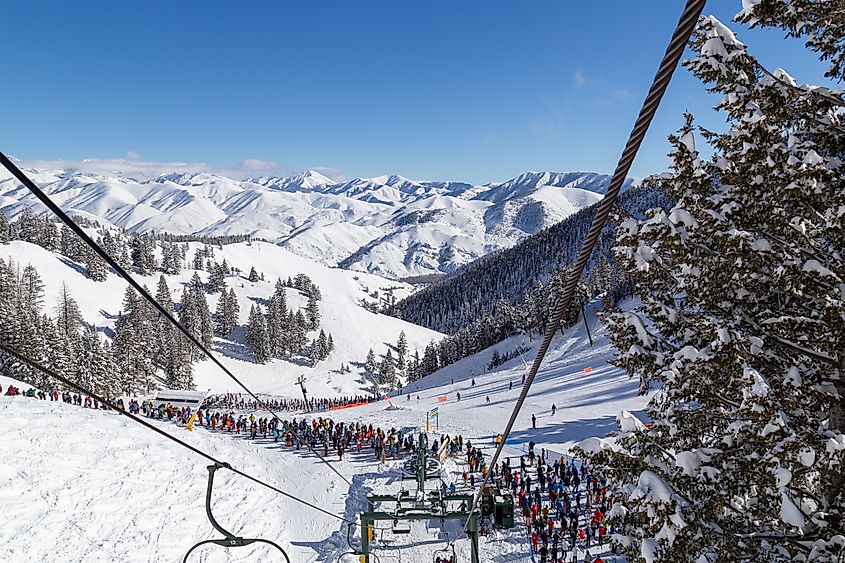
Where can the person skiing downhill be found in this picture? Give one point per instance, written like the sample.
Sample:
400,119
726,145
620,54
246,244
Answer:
533,421
554,409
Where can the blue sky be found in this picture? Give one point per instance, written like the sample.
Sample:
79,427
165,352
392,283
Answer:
466,90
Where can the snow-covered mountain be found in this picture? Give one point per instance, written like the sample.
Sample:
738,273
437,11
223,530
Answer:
387,225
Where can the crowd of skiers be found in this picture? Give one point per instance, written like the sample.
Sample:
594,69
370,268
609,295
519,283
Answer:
563,505
245,402
65,397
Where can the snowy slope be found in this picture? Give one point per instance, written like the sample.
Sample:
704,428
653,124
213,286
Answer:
388,225
98,465
354,329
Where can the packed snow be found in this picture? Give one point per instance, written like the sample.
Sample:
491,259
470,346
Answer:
110,490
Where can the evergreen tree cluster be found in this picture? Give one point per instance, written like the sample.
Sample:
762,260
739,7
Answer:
498,359
741,325
281,332
509,276
389,371
61,341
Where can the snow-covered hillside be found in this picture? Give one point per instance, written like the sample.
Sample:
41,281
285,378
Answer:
388,225
109,490
354,329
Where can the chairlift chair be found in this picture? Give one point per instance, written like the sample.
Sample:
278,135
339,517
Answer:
401,527
230,539
451,557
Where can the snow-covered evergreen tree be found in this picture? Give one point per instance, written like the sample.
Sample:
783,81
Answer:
133,342
401,351
256,335
312,312
226,312
387,370
95,267
4,229
370,362
142,253
216,278
742,325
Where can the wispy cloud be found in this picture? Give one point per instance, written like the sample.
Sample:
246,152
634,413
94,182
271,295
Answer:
580,79
134,166
606,93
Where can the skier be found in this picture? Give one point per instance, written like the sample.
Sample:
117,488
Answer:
554,409
459,396
488,399
510,385
533,422
473,382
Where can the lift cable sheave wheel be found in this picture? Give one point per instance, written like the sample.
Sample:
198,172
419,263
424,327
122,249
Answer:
230,540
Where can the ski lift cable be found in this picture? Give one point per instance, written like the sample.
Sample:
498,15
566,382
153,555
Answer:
71,224
11,351
680,37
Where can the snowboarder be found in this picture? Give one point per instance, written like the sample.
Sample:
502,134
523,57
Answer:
533,422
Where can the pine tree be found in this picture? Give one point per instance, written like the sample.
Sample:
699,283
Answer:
142,253
99,367
742,326
9,318
29,337
387,370
196,313
133,343
370,362
50,235
226,313
95,267
322,344
253,275
312,312
256,335
68,324
233,310
401,351
109,245
216,278
4,229
27,227
198,259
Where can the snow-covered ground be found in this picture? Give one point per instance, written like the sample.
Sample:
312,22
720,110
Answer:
79,485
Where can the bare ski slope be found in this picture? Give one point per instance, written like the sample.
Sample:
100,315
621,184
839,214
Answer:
78,485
